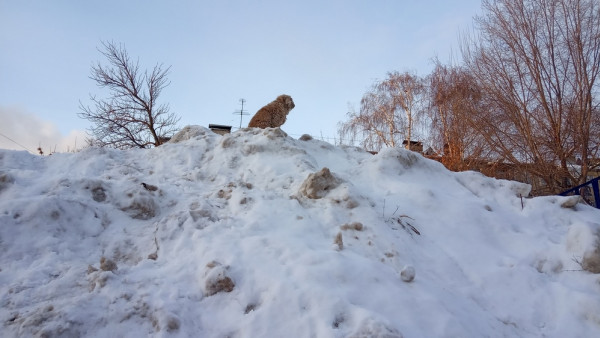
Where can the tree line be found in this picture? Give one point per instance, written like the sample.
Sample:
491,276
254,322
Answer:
525,93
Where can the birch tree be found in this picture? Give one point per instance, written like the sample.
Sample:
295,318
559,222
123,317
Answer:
388,112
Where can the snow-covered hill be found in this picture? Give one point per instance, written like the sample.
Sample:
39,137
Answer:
245,235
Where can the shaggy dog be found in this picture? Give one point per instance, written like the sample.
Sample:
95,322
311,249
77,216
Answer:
274,114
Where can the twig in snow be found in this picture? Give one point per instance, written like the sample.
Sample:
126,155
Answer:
522,205
153,256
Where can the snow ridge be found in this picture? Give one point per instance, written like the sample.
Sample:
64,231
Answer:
213,236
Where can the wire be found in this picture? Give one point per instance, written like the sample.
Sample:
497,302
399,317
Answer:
324,137
17,143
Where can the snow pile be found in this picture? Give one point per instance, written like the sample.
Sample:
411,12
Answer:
256,234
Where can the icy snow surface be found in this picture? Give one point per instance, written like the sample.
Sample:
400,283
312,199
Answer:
222,242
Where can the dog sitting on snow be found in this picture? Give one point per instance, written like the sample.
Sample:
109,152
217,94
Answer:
274,114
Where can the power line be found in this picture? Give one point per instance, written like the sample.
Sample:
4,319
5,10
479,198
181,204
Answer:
17,143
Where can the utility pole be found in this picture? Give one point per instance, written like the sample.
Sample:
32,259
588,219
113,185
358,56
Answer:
241,112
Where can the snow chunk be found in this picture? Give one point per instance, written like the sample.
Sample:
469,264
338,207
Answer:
397,161
138,204
217,279
358,226
107,264
318,184
188,133
5,180
571,201
591,260
407,274
481,185
372,328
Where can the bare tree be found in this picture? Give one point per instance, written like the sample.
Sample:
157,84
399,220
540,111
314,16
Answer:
537,64
454,97
406,92
130,117
388,112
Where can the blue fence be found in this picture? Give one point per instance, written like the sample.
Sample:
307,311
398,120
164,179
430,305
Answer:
577,190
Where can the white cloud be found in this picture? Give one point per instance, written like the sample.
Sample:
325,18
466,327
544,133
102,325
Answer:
21,130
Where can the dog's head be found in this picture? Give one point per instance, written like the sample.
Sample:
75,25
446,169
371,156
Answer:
287,101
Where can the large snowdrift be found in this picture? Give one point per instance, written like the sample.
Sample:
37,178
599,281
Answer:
247,235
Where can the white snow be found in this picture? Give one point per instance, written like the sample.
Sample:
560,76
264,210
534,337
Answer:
228,245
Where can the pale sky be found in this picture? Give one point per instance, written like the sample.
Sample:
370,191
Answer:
324,53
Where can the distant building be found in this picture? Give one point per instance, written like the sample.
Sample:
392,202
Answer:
219,129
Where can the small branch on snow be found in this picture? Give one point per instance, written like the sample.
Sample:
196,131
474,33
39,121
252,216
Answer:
154,256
